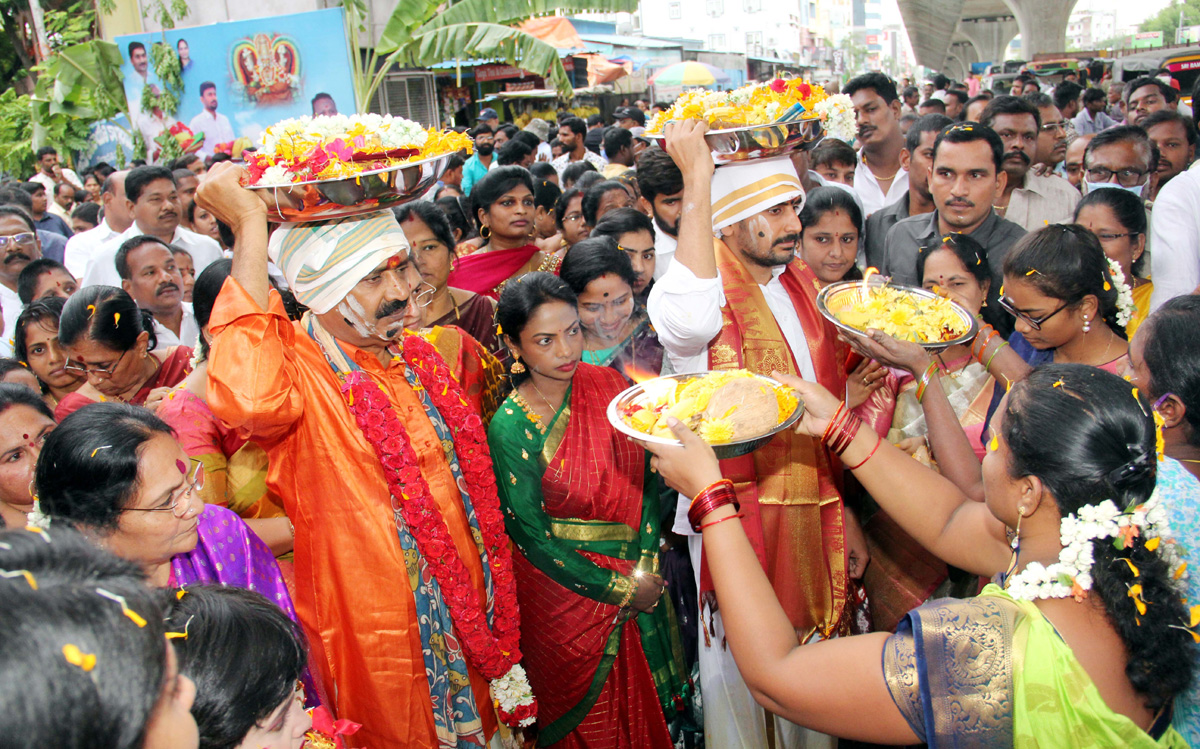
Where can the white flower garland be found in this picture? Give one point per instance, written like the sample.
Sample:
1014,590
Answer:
1125,306
512,691
838,113
37,518
1071,575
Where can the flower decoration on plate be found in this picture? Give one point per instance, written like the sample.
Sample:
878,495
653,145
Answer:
837,111
1071,575
779,100
330,147
1126,309
721,406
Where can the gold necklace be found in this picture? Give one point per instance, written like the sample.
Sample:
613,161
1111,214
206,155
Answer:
543,397
877,177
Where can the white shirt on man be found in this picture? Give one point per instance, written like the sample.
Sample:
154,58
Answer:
102,267
82,246
11,305
216,128
872,195
664,251
48,182
189,331
1175,236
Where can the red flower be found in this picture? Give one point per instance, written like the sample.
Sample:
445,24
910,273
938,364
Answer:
779,85
804,90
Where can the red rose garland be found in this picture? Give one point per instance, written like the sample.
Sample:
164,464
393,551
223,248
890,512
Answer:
495,652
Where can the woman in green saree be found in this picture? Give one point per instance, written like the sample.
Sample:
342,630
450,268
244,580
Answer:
1087,643
600,643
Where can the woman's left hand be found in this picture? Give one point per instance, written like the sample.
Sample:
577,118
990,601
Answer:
687,468
863,380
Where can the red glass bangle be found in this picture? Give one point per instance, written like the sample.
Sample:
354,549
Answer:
722,520
832,420
861,463
846,435
712,497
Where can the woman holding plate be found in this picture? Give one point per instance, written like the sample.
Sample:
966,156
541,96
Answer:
1026,663
504,209
582,506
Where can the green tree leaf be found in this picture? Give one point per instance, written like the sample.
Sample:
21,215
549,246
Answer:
512,12
490,41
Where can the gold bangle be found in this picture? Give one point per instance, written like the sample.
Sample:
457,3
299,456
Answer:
630,589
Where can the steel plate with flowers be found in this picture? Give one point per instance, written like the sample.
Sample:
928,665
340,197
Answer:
735,411
328,167
907,313
761,120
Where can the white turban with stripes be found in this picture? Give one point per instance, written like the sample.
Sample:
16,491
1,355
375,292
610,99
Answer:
744,188
323,261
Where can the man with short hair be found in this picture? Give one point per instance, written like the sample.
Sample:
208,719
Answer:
956,103
215,126
1144,96
1073,162
879,178
1092,118
1027,199
618,149
477,166
911,98
571,132
1175,138
1052,134
20,248
490,117
186,183
743,300
45,278
916,158
62,201
932,106
148,273
1120,157
940,84
1066,98
594,140
1031,87
323,104
514,153
116,219
45,220
51,173
966,179
975,107
153,202
53,244
1116,102
661,186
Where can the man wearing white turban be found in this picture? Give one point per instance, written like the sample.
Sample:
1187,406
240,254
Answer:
403,571
743,300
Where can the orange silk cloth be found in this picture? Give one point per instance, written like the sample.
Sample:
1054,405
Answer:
787,488
269,380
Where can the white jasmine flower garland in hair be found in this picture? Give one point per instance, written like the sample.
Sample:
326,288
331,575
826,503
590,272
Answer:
36,518
1125,306
1071,575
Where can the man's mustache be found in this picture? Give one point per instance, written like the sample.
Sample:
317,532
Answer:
14,256
787,239
166,286
1024,157
390,308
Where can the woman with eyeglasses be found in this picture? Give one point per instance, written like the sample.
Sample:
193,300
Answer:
35,342
1118,219
568,217
117,473
432,247
235,469
112,343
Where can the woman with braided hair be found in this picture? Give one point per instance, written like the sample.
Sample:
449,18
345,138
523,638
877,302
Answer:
1085,636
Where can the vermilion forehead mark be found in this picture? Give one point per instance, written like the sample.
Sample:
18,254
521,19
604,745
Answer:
181,466
393,262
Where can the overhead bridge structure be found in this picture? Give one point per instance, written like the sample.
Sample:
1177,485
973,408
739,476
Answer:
949,35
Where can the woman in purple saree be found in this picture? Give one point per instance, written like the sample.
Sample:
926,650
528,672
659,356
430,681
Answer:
117,473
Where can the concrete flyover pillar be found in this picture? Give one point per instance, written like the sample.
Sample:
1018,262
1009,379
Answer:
1043,25
991,35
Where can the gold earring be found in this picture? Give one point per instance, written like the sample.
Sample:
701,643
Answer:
485,233
518,367
1016,547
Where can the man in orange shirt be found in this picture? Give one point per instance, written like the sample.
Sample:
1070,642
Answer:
403,572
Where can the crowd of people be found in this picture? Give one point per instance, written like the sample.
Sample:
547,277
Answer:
353,481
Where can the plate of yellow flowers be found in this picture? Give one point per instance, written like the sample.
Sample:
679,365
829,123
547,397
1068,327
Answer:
906,313
734,410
